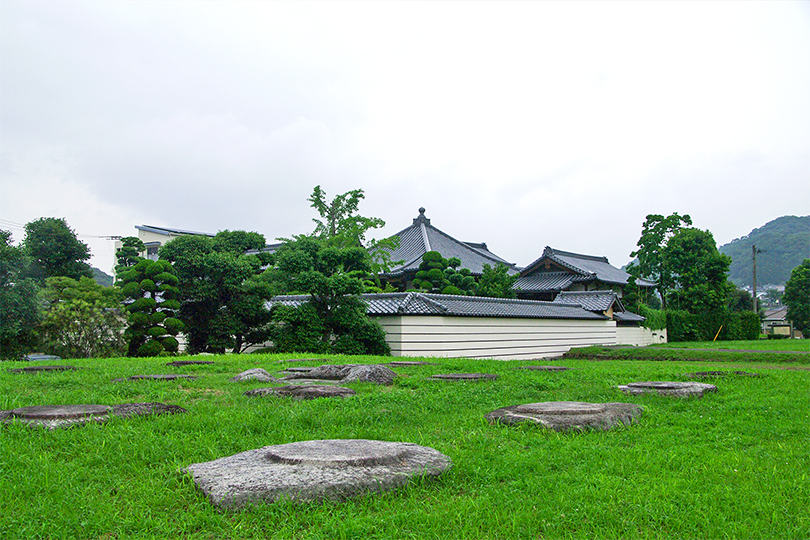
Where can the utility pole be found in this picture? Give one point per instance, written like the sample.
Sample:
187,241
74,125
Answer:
754,252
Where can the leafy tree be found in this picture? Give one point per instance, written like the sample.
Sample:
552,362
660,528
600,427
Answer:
333,319
129,254
741,300
82,320
150,289
697,270
222,298
55,250
797,297
439,275
496,282
19,308
651,262
339,218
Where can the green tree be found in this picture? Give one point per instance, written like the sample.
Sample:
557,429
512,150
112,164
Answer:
439,275
698,272
55,250
496,282
83,319
150,291
221,295
797,297
339,217
333,319
650,263
19,308
129,254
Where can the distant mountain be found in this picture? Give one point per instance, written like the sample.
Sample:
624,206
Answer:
784,242
105,280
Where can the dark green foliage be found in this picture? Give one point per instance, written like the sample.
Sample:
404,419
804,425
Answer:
55,250
19,309
222,298
784,243
496,282
129,253
83,319
651,257
655,319
102,278
151,291
741,300
724,324
797,297
439,275
697,272
334,317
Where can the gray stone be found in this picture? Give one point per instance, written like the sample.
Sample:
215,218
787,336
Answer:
126,410
668,388
168,377
374,373
303,391
314,470
36,369
568,415
60,416
345,373
257,374
464,377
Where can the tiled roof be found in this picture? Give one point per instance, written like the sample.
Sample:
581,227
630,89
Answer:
600,301
461,306
585,265
627,316
546,281
422,237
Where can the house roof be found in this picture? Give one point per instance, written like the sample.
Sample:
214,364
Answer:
776,314
598,302
422,237
581,267
415,303
169,232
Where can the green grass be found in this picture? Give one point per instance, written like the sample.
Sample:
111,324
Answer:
797,345
734,464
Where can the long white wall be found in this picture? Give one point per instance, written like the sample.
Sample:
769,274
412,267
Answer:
489,337
638,335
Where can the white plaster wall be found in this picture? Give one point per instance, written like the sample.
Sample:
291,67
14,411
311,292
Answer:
485,337
638,335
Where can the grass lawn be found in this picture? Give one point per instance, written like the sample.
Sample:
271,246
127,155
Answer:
797,345
734,464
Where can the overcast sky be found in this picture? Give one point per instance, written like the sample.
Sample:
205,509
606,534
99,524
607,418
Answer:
520,124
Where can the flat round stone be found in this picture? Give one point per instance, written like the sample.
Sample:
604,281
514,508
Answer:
303,391
659,385
464,376
561,407
59,412
299,369
35,369
333,469
339,452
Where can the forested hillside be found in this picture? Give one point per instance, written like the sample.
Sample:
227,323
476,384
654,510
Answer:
784,242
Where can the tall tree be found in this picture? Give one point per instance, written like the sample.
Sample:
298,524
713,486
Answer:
496,282
698,272
55,250
19,308
222,300
651,262
150,289
797,297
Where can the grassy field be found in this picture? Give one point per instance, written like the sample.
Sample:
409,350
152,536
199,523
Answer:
734,464
795,345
